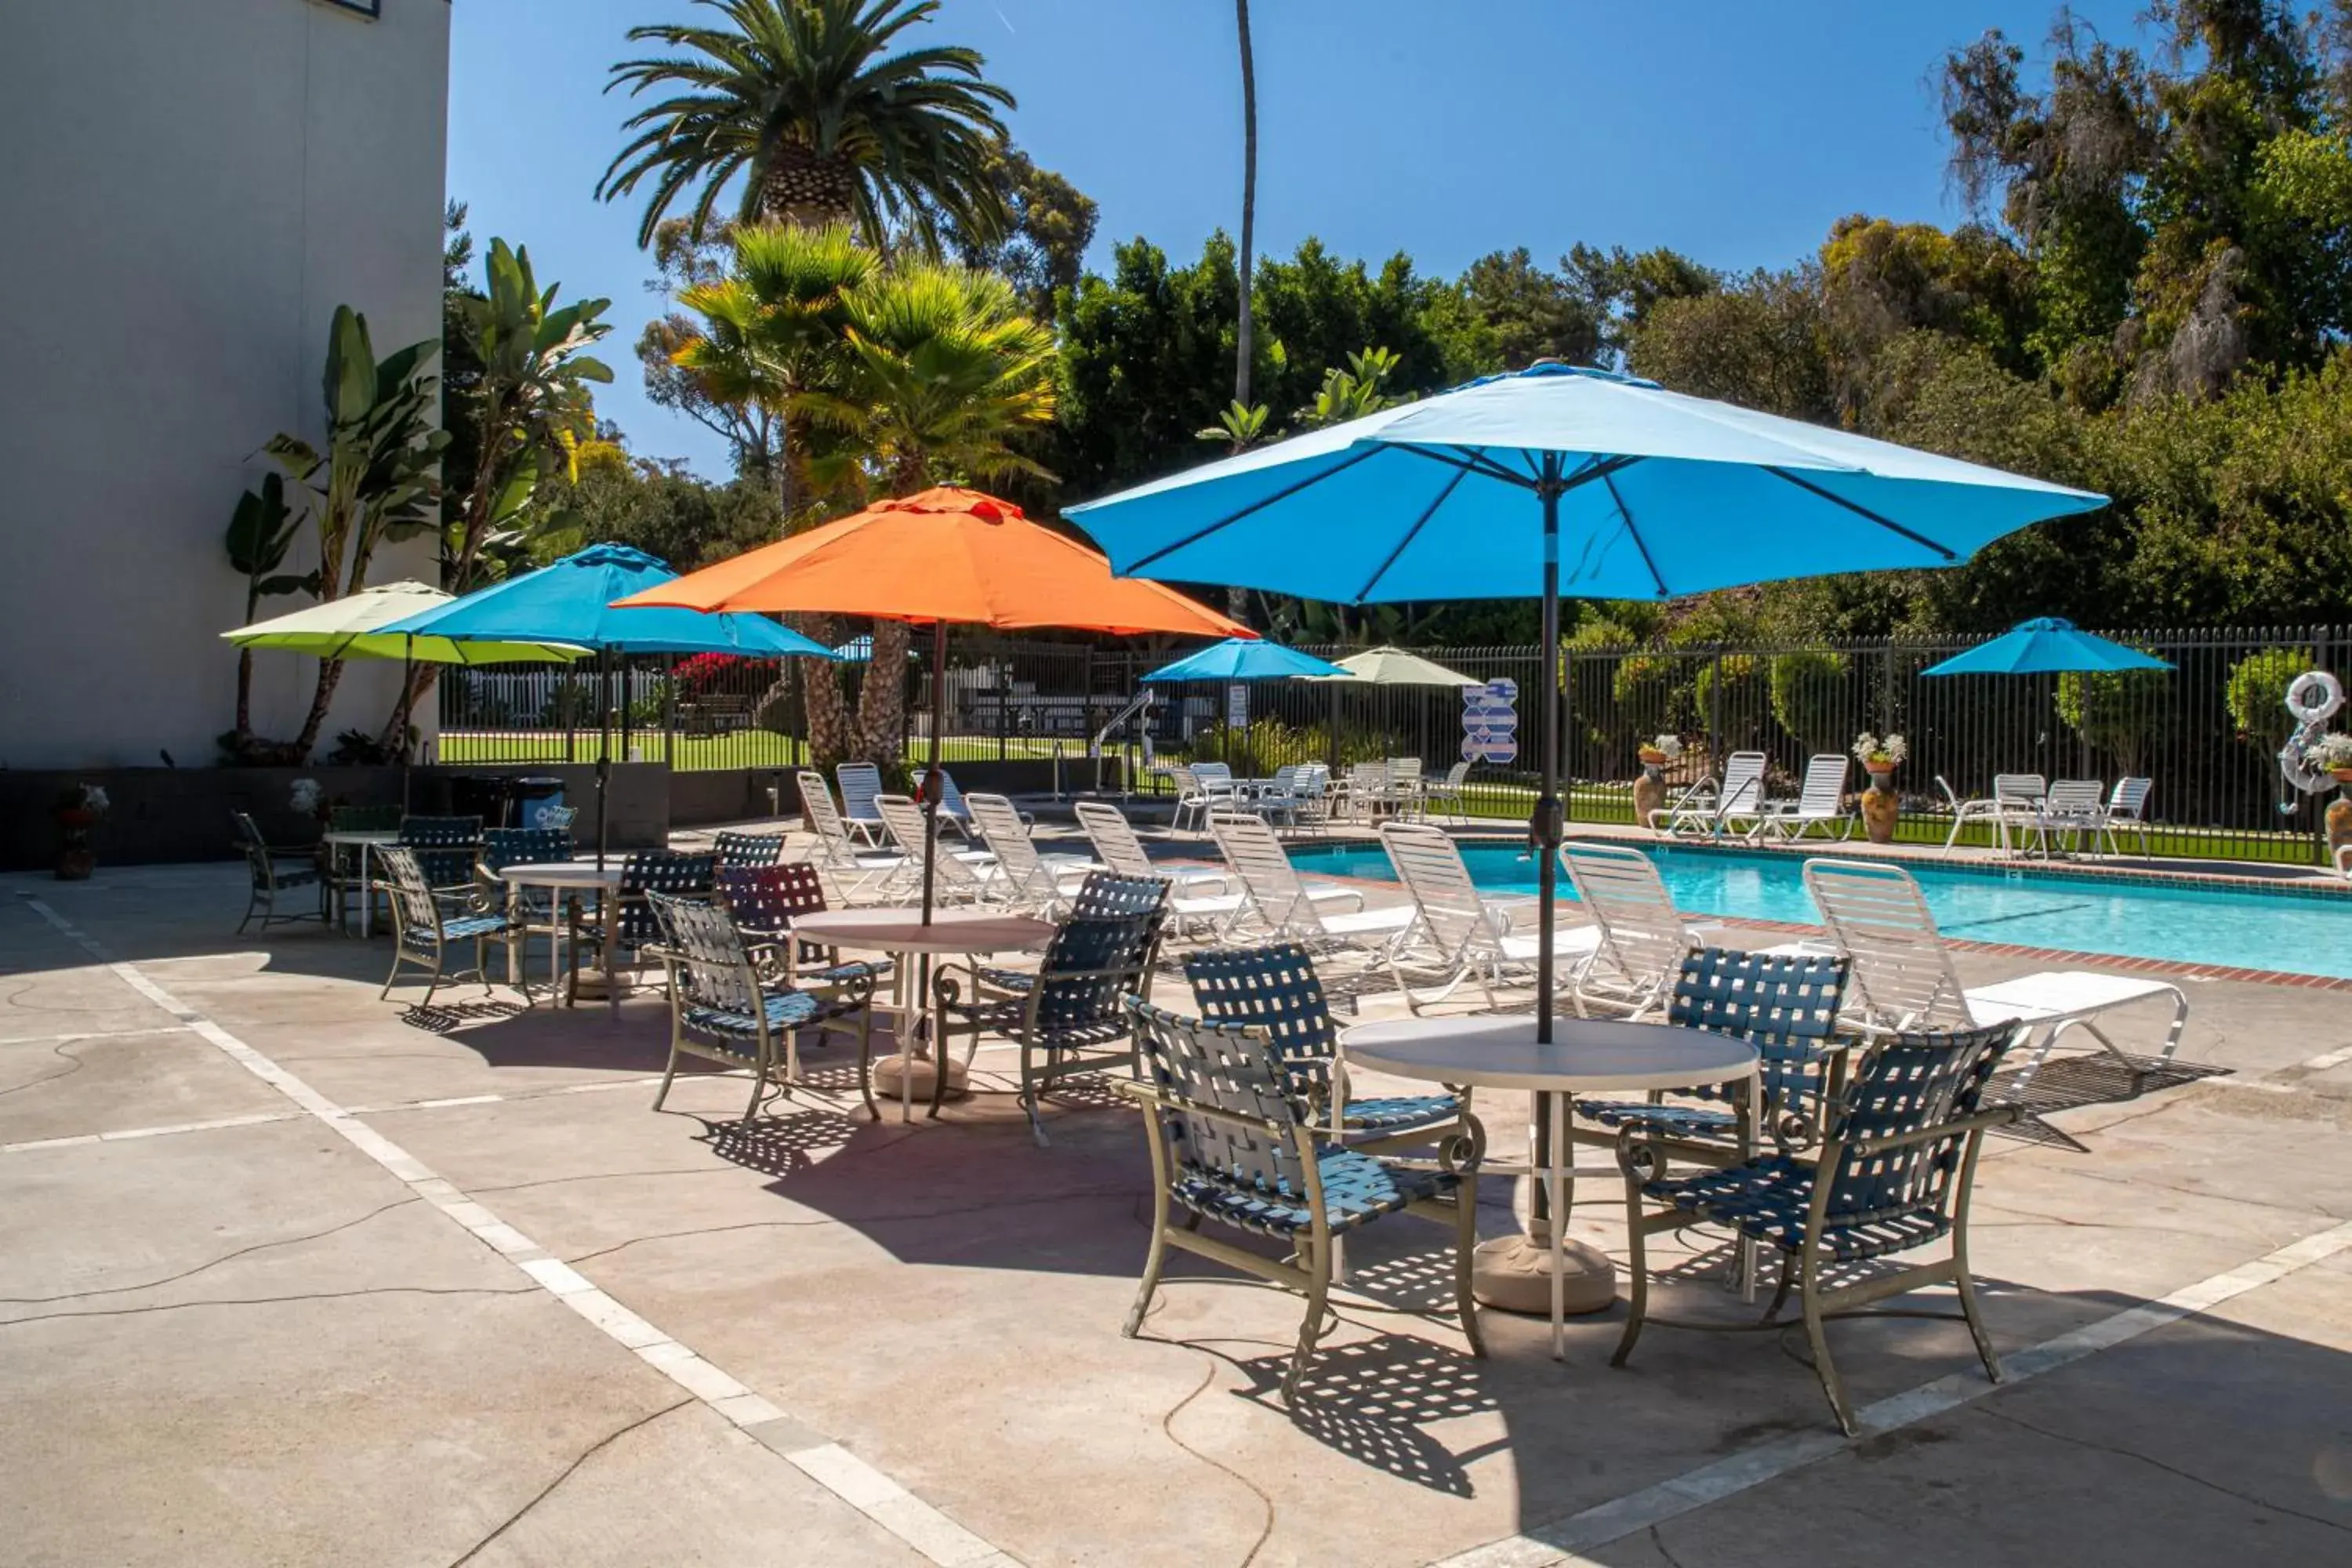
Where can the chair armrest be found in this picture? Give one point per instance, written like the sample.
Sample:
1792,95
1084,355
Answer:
1152,1094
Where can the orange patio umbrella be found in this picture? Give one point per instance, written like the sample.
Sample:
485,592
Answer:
939,556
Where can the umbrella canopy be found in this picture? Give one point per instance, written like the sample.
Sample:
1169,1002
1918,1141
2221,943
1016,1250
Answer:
2044,646
942,554
1556,481
1243,659
937,556
351,628
571,600
1394,667
1655,495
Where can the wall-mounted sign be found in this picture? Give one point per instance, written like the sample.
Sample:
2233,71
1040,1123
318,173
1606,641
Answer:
1490,722
1237,706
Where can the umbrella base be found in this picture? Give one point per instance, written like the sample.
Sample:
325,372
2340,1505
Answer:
1513,1274
890,1071
600,985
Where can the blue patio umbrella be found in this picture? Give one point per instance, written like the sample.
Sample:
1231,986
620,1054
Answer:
1243,659
571,600
1554,480
2044,646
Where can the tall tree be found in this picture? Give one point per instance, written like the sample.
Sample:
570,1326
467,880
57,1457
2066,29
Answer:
938,375
1243,332
762,336
804,101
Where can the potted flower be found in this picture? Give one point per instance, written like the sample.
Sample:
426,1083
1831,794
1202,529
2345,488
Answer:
1879,756
78,808
1649,789
2333,754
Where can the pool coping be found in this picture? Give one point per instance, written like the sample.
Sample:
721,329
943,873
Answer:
2136,965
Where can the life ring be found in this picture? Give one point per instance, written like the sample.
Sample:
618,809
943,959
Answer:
2314,696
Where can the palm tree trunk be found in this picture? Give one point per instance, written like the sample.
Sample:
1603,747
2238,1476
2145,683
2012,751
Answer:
1249,202
882,700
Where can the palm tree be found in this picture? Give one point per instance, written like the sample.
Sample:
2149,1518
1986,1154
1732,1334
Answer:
938,373
1249,204
801,99
765,334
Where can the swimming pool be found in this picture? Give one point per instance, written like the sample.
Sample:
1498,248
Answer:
2245,929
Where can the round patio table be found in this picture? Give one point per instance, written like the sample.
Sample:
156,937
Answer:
566,879
367,841
1585,1056
902,934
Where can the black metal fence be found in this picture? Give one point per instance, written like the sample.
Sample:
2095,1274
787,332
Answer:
2206,733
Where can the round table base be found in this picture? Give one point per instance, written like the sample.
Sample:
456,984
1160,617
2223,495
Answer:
597,985
1513,1274
887,1071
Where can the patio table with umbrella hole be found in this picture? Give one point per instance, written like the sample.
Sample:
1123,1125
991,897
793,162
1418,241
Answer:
1554,480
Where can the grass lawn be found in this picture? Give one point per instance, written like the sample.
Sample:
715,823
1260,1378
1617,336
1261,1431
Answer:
742,749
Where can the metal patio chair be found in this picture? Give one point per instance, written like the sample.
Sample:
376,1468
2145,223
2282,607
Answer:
748,848
276,869
722,1009
766,902
426,921
1897,1161
1276,989
1228,1143
627,911
1067,1017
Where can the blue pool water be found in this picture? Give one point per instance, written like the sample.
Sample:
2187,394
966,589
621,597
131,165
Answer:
2243,929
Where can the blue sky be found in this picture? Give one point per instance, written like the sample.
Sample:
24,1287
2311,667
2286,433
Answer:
1734,131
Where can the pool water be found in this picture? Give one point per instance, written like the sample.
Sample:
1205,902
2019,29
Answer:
2245,929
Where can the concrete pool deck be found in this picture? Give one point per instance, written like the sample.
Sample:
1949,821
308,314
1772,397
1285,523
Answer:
292,1275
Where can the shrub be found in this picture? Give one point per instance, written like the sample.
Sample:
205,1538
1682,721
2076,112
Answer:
2117,711
1734,708
1808,695
2255,694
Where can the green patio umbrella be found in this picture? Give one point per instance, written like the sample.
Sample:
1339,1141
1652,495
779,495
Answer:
351,627
1383,666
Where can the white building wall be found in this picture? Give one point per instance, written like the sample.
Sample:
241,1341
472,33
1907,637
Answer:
191,187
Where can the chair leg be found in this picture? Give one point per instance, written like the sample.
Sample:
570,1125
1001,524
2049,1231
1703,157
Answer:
1318,1289
1809,1294
865,1058
1032,1086
1465,1243
670,1071
395,970
1637,1274
1152,1262
1964,1284
758,1081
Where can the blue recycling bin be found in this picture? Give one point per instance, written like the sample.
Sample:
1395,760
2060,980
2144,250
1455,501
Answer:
534,798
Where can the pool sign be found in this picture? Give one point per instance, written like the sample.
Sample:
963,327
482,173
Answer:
1490,722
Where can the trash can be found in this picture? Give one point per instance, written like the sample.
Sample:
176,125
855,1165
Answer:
534,798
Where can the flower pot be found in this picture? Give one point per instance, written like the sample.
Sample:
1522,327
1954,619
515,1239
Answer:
1649,794
1881,807
2340,823
2342,776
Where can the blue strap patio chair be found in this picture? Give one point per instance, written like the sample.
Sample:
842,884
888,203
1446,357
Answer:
1897,1164
1068,1017
749,848
624,922
274,869
446,848
1229,1143
723,1010
1786,1007
427,921
1276,989
766,902
861,785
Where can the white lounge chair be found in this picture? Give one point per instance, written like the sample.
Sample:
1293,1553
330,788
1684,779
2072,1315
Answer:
860,783
1903,978
961,876
2015,802
1030,880
954,810
1641,937
1708,807
1278,904
1820,802
2075,808
1202,788
858,875
1363,788
1404,786
1446,793
1200,899
1458,933
2127,808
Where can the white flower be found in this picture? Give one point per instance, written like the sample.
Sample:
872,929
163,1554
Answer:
2331,752
1880,751
303,794
1672,745
94,800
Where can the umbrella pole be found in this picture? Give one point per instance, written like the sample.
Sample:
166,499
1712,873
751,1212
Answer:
408,707
1545,828
932,790
604,746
